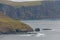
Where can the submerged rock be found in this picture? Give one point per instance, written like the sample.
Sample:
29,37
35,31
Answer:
46,29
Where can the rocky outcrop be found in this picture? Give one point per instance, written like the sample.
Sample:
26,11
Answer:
8,25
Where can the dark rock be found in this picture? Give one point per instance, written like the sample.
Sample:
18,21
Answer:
46,29
17,30
37,29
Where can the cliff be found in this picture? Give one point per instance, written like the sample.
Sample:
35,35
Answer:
8,25
42,10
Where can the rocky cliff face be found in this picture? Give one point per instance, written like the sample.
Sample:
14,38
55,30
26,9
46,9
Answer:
46,10
8,25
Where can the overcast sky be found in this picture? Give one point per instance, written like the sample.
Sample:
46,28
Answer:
31,0
24,0
28,0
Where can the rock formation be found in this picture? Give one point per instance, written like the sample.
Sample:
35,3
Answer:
8,25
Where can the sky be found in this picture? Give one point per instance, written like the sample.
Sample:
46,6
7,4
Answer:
27,0
24,0
31,0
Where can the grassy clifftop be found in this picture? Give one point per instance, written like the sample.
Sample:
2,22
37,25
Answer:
32,3
8,25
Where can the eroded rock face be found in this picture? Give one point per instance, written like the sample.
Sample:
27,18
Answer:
11,28
5,30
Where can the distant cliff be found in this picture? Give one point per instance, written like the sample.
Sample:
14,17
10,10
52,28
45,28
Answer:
46,10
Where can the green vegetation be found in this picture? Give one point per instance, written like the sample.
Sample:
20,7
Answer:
18,4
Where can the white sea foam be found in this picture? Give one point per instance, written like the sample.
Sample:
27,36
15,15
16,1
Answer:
40,34
26,35
36,35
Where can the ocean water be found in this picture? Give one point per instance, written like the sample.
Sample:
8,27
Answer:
53,34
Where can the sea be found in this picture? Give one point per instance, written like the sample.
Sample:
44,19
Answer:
53,34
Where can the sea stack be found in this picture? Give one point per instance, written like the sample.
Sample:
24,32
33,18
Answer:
8,25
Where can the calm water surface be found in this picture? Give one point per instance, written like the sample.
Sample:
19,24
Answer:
48,35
